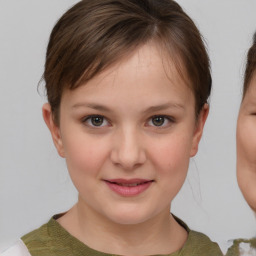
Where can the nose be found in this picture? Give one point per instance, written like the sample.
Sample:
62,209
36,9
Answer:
128,149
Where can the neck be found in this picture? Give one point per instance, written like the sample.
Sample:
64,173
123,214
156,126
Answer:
159,235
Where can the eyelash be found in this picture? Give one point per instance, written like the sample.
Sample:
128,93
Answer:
169,119
88,121
89,118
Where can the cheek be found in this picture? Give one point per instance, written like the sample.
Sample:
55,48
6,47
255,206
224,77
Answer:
246,158
84,155
171,155
246,139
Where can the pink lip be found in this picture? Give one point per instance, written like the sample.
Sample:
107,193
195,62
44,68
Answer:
131,187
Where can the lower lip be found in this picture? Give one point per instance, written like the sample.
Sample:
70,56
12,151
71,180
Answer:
129,191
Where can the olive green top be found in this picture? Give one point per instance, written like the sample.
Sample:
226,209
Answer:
52,239
242,247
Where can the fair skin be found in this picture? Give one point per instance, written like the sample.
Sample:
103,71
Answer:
127,137
246,145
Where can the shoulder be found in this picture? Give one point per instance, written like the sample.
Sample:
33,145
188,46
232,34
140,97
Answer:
49,239
36,235
38,240
200,244
18,249
205,244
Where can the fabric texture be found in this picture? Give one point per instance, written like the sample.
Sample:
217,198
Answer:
52,239
242,247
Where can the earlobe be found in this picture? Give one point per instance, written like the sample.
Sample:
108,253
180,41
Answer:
199,129
54,129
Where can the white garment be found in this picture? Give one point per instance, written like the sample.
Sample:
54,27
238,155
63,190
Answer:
246,250
18,249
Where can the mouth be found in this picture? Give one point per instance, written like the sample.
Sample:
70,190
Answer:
131,187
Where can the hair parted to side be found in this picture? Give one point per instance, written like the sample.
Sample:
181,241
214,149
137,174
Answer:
93,35
250,65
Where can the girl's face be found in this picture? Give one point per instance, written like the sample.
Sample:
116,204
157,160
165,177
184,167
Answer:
127,136
246,145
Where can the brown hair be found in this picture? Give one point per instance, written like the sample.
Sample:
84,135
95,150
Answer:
250,65
92,35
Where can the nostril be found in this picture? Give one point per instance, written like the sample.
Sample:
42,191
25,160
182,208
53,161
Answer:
127,150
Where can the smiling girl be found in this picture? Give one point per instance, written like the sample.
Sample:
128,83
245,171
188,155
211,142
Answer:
127,84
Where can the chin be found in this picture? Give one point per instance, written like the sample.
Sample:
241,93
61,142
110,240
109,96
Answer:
129,217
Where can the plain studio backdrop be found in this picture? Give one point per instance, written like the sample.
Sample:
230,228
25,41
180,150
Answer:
34,182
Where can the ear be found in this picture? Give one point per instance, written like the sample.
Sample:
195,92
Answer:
54,129
199,129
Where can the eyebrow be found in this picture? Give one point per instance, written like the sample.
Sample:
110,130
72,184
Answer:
91,105
164,107
150,109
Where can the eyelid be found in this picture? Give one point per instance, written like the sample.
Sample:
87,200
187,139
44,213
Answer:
170,119
89,117
106,123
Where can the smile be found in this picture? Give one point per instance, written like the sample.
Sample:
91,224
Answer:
128,188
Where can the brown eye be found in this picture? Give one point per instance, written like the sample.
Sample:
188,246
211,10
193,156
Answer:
96,121
161,121
158,120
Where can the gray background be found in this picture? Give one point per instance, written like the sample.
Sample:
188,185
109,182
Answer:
34,182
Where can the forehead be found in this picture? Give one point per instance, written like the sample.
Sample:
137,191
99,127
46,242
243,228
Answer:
172,60
139,72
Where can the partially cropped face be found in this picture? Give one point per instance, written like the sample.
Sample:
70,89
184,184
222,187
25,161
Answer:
127,136
246,145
